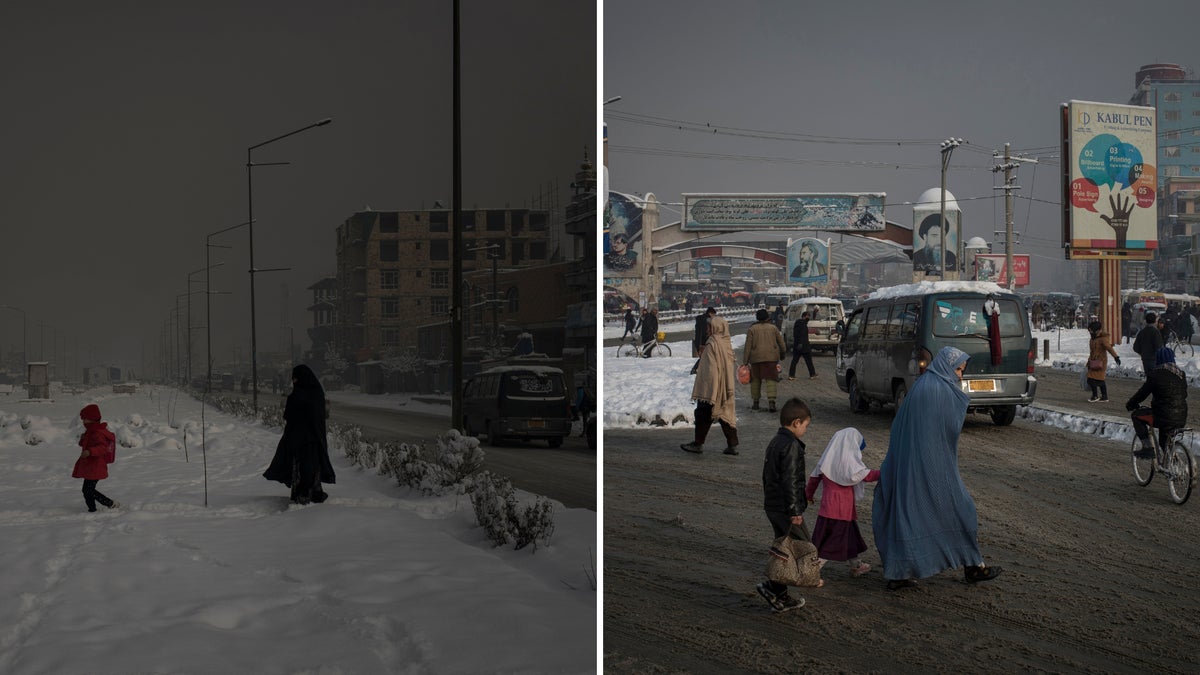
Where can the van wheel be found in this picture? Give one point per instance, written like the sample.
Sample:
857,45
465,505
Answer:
493,438
554,441
858,404
1003,415
899,394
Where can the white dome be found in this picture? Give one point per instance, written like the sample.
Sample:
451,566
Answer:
974,242
932,198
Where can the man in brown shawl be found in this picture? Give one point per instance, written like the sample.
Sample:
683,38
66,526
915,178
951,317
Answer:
713,389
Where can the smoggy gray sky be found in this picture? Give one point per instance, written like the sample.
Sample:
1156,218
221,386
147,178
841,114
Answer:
909,74
124,136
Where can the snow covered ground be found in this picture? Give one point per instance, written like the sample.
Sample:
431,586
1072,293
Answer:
639,390
378,579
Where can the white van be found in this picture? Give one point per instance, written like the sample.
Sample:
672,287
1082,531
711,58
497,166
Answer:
821,330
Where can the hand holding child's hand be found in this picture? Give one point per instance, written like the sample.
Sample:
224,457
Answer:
797,520
84,453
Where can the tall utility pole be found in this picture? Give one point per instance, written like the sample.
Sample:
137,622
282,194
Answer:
1010,164
947,150
456,292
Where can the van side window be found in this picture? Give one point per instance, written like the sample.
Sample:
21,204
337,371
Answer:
854,327
491,387
904,318
876,325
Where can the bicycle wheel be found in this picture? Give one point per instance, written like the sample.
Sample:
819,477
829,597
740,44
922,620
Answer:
1143,469
627,349
1180,472
660,349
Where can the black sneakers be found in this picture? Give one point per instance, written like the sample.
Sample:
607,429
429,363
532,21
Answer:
692,447
780,602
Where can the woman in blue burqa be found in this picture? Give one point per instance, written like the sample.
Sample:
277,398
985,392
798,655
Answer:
923,519
301,459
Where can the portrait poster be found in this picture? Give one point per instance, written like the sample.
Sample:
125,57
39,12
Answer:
808,261
622,235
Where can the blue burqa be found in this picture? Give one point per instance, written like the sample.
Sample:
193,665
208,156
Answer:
923,519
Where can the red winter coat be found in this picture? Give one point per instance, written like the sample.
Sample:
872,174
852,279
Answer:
837,501
101,445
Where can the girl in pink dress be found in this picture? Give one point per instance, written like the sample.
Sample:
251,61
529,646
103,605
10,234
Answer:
840,474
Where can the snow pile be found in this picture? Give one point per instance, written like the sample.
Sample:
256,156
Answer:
207,567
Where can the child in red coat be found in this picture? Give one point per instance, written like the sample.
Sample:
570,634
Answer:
99,450
840,474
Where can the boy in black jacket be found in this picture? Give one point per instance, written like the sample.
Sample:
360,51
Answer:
783,479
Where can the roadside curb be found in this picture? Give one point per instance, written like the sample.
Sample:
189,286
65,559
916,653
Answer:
1105,426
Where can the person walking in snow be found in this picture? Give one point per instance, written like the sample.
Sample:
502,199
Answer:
301,459
713,389
1099,348
923,518
98,450
1148,341
783,491
763,350
840,474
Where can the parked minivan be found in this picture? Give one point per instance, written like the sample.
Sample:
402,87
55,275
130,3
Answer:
822,333
891,336
517,402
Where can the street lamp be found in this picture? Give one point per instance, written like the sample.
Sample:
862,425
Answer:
189,321
250,220
494,255
208,293
948,147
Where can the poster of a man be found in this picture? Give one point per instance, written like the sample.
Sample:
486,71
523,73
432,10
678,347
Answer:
810,258
928,256
622,232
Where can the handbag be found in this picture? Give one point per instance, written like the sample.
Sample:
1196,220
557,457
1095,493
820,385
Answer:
793,562
1095,364
743,374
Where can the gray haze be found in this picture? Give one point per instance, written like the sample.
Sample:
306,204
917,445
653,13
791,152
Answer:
125,127
909,72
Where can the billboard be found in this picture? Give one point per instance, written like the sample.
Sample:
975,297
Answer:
993,267
622,235
808,261
927,239
1109,181
856,211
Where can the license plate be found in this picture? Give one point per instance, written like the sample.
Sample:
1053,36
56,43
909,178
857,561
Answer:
981,385
537,424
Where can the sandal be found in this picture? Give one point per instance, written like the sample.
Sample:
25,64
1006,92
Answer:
976,573
860,570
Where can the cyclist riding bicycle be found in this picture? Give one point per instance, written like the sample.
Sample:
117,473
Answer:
1168,409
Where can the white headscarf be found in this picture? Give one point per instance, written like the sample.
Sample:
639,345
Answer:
842,461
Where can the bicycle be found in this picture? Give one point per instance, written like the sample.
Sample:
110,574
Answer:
656,347
1175,463
1178,345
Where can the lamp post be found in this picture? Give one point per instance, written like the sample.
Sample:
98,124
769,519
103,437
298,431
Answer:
494,255
208,293
250,221
948,147
206,270
24,329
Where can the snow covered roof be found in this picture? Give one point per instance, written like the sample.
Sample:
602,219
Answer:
926,287
815,300
537,370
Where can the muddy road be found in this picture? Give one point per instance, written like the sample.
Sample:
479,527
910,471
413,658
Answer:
1099,574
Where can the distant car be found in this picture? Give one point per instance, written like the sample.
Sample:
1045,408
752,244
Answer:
822,333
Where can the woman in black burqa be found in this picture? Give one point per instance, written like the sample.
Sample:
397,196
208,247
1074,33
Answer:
301,459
